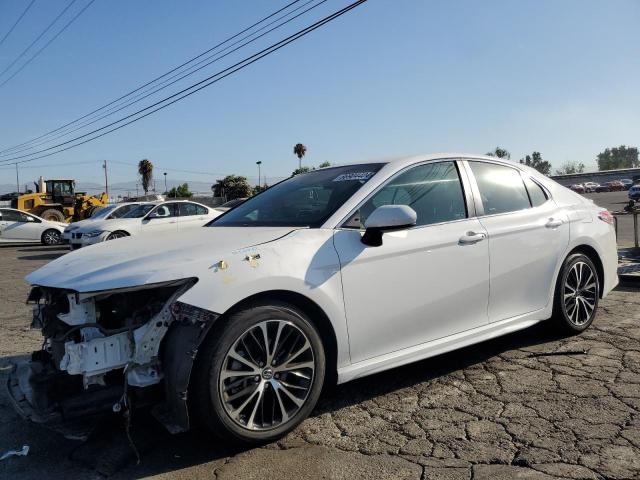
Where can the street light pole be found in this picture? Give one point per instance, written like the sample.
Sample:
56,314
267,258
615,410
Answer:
106,181
259,163
166,191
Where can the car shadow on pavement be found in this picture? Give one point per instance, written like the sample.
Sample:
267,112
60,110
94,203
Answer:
43,256
109,450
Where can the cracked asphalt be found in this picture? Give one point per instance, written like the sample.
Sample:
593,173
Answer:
530,405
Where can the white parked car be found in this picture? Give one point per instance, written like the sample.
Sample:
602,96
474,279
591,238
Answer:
107,213
328,276
590,187
19,226
147,218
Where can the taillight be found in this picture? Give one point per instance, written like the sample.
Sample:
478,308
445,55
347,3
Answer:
606,217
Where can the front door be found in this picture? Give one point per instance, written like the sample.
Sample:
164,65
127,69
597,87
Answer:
527,234
19,226
421,284
163,218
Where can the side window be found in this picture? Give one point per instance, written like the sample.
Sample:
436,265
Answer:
12,216
165,211
200,210
536,193
187,209
433,190
501,188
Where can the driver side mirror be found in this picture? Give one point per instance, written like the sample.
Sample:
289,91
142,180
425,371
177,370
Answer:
387,218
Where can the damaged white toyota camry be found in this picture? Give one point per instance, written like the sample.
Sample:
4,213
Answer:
328,276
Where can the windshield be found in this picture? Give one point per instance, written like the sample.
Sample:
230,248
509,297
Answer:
103,212
306,200
140,211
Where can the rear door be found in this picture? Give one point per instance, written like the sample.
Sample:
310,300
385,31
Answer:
527,235
191,215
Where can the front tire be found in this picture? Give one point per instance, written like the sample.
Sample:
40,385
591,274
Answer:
117,234
577,294
259,374
50,237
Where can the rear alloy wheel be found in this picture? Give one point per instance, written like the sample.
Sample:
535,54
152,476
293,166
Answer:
50,237
577,294
116,235
261,375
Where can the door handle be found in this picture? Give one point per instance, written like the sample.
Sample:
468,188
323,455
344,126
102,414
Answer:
471,238
553,223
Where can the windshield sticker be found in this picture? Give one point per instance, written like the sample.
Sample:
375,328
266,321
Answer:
354,176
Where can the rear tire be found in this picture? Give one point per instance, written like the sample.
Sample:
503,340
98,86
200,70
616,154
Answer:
577,294
245,394
51,237
52,215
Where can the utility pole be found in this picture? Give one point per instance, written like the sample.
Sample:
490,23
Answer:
137,190
259,163
17,179
165,183
106,181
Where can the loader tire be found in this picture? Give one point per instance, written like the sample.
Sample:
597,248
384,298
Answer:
52,215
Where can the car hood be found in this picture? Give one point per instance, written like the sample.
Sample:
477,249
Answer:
79,224
109,224
134,261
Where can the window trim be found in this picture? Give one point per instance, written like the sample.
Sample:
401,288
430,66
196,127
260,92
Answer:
470,206
546,192
476,190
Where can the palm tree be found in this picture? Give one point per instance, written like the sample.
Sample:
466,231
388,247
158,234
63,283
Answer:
299,151
145,169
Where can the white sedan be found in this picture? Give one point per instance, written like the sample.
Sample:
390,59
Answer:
19,226
148,218
110,212
107,213
328,276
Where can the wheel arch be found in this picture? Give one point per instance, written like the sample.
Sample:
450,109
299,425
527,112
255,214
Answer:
317,316
593,255
119,230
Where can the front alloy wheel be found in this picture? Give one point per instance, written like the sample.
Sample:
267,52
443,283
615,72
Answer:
51,237
266,375
258,374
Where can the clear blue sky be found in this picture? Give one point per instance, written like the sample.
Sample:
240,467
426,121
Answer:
389,78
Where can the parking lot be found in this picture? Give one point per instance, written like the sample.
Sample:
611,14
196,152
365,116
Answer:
530,405
616,201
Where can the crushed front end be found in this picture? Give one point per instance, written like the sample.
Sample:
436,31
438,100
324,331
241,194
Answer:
104,352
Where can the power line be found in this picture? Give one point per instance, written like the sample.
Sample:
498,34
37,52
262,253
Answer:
157,78
17,22
51,40
144,94
182,94
50,165
38,37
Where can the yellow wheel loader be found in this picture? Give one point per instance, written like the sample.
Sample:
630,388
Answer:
57,200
